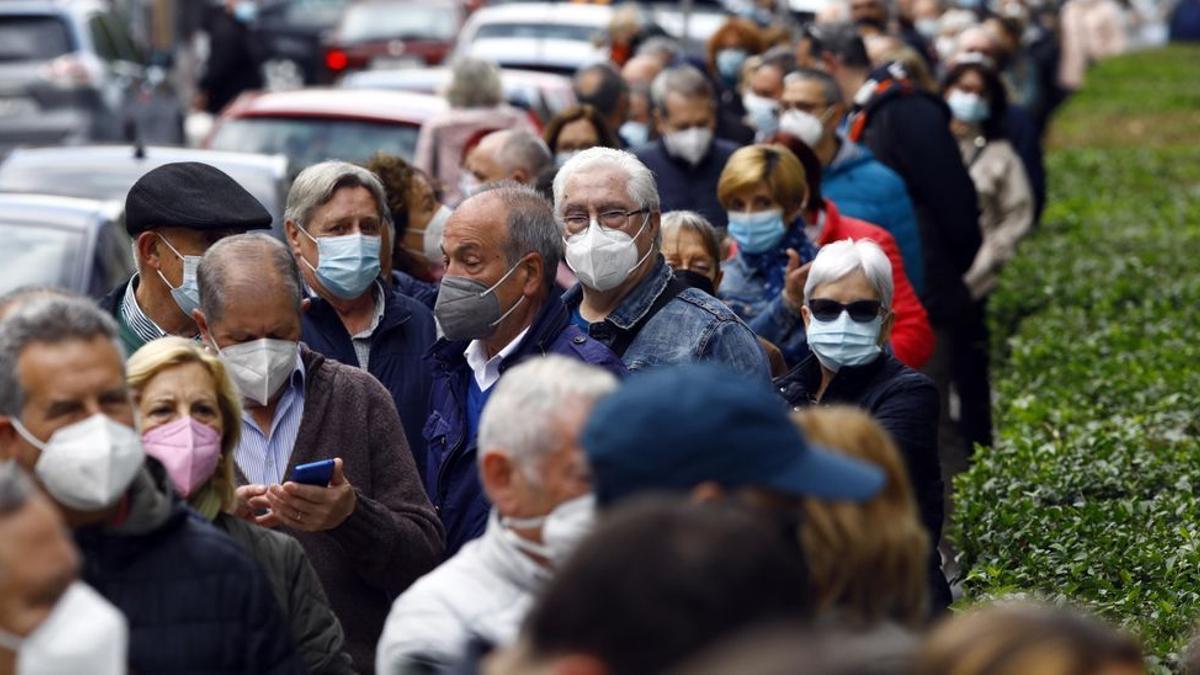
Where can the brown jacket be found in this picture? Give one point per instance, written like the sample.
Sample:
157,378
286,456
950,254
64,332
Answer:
394,536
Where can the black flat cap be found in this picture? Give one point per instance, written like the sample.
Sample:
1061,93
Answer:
192,195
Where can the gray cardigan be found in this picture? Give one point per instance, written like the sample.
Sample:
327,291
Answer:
394,536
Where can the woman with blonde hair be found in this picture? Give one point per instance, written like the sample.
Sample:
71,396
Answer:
867,561
190,414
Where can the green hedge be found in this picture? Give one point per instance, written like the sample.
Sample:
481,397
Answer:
1091,491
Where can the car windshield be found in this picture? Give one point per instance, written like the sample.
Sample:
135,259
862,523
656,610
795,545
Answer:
380,21
32,38
552,31
34,255
306,141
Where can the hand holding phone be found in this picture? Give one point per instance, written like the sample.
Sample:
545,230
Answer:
314,473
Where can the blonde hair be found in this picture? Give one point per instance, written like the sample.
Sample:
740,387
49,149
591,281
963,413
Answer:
169,352
866,560
773,165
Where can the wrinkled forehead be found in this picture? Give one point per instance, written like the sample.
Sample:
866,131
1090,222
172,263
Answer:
596,186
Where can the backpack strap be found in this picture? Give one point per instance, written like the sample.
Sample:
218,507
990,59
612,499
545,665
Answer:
625,338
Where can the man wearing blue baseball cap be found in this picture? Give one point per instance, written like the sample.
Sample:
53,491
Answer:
705,429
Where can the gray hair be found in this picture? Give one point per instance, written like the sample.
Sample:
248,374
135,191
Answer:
639,179
50,320
317,184
529,224
15,487
830,90
685,81
661,47
523,149
522,416
474,83
841,258
690,221
19,296
242,260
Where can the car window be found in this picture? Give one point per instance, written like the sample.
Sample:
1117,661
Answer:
390,21
33,38
306,141
536,30
105,48
313,13
113,258
123,45
39,255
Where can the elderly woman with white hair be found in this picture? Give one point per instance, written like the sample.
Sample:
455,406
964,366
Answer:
476,107
848,319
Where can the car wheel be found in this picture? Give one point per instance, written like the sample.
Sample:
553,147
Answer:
282,74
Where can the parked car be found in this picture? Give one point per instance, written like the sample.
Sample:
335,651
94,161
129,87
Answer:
289,36
76,244
106,172
69,73
312,125
393,34
543,94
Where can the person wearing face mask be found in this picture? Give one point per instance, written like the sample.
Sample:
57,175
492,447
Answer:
727,49
686,159
66,417
371,530
411,260
574,129
233,64
336,219
534,473
846,314
761,99
497,307
173,214
190,421
627,297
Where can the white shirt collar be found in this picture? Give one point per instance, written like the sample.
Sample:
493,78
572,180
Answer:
486,370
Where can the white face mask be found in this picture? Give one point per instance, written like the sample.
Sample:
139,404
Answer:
467,183
603,259
432,242
259,368
690,145
562,529
87,465
82,634
803,125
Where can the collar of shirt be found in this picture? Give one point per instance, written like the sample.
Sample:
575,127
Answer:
133,316
263,454
486,370
376,319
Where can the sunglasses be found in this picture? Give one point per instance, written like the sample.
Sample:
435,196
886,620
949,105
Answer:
861,311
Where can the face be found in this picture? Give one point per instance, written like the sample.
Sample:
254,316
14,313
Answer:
753,199
37,564
186,390
970,82
639,108
65,383
927,9
154,248
473,245
807,96
422,206
577,135
767,82
850,288
868,11
685,250
481,161
252,312
351,210
603,190
685,113
561,476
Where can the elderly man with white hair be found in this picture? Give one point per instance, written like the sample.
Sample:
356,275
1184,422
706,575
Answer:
607,204
534,473
848,318
516,155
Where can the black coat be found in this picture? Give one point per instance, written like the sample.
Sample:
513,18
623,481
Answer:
196,602
906,404
233,64
683,186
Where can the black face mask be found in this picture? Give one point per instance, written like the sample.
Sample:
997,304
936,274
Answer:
697,281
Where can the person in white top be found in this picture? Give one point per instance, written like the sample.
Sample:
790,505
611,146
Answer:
535,474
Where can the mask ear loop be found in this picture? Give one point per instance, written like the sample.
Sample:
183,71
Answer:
179,255
648,250
314,240
497,285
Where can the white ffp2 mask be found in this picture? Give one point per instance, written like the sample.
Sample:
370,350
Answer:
603,259
82,634
260,367
89,464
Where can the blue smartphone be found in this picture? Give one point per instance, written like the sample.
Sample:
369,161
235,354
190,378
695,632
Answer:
314,473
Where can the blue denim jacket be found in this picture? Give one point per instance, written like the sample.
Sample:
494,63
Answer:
694,326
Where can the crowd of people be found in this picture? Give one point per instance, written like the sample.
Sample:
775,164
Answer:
674,385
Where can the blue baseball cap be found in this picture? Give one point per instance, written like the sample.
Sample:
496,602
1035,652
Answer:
675,428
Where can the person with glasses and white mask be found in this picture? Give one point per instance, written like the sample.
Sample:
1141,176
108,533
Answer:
496,308
848,320
627,297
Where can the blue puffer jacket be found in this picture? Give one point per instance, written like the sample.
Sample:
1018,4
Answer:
451,475
862,187
398,349
196,602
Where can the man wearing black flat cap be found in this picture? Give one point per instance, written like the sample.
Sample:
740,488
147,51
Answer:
174,213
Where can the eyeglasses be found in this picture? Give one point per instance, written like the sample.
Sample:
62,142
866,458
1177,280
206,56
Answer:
861,311
610,220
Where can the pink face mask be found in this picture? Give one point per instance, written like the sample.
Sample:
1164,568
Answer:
188,449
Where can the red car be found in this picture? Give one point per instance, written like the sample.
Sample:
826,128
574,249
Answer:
383,34
312,125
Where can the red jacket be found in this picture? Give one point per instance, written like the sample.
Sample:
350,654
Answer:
912,338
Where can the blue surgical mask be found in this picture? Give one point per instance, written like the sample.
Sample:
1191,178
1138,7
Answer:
187,294
347,264
245,11
844,342
968,108
634,133
757,232
562,157
729,65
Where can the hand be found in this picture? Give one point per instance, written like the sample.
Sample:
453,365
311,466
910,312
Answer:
310,508
793,282
248,500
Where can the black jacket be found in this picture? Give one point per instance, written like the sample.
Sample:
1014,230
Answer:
315,629
906,404
908,130
683,186
233,63
195,601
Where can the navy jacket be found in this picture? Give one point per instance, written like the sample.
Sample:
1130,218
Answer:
402,339
683,186
452,478
196,602
906,404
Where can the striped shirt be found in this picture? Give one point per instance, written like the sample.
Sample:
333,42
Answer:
133,316
263,458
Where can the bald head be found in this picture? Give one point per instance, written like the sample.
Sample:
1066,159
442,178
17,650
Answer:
641,70
516,220
510,154
978,40
244,267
